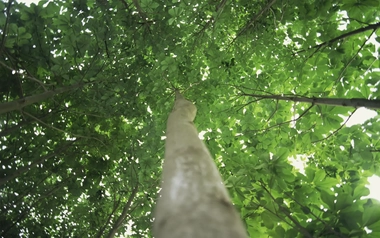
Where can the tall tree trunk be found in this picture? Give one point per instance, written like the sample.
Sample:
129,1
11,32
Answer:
193,201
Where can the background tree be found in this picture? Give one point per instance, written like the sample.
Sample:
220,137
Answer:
86,161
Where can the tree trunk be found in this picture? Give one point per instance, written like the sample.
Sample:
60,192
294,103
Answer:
193,201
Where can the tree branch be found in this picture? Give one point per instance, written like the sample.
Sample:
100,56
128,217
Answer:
342,102
343,36
34,163
23,102
124,214
253,19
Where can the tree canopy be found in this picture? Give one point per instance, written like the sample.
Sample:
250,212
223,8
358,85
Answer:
86,88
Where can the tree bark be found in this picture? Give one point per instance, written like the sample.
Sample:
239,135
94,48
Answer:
22,102
193,201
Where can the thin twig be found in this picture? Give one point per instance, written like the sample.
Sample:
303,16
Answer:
353,57
334,132
26,76
60,130
341,37
253,19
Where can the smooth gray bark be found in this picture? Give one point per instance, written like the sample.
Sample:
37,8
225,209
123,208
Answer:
193,201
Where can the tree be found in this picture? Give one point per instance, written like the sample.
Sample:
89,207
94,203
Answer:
194,201
92,154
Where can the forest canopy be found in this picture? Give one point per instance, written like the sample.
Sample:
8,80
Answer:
86,88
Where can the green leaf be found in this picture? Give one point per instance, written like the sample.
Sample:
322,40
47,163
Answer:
360,191
267,219
371,214
326,183
310,172
305,210
375,228
343,201
328,199
172,12
281,183
280,231
319,176
282,154
371,3
355,94
13,29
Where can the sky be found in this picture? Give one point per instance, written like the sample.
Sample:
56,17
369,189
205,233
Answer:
28,2
360,116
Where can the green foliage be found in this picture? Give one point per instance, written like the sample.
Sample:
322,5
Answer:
72,163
